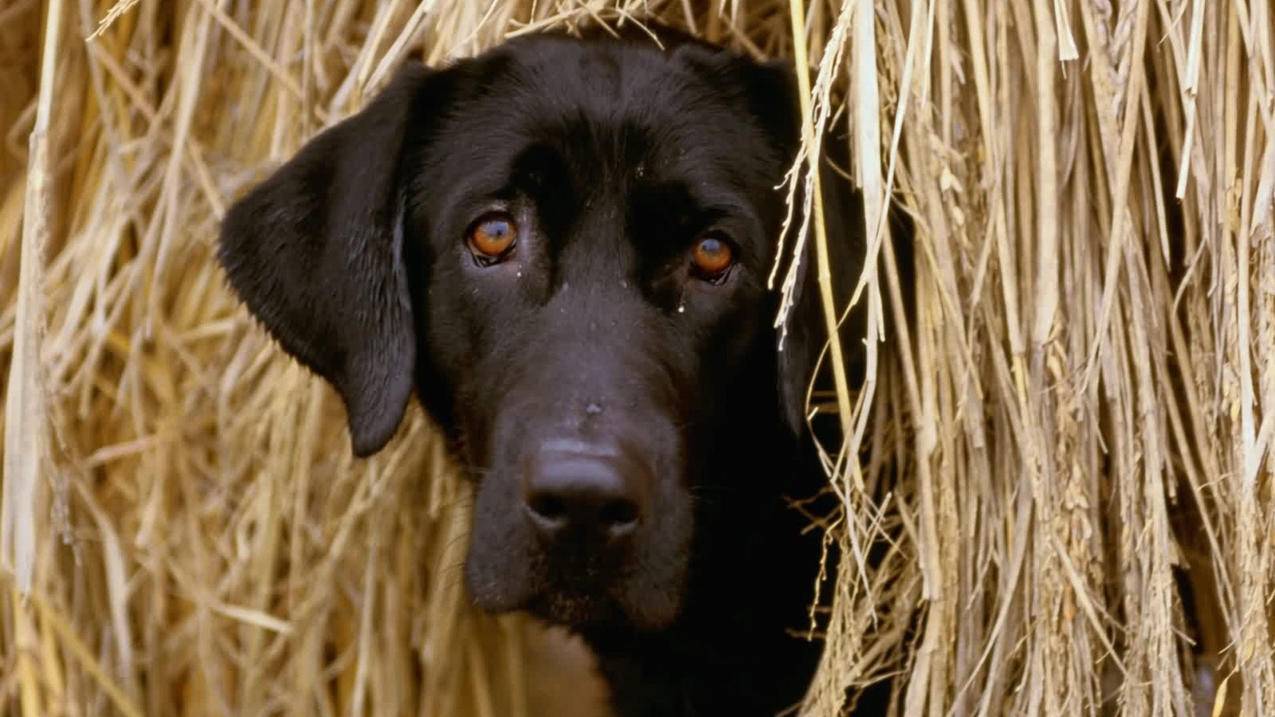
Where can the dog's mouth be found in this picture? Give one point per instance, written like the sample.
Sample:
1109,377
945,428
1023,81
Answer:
576,608
582,585
585,601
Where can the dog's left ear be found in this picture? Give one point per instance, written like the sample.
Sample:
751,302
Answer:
316,253
804,334
772,89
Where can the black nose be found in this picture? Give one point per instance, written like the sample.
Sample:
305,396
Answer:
585,489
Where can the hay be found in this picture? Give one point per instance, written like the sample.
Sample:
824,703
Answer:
1056,491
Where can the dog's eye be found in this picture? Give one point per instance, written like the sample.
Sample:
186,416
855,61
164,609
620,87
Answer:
712,257
491,237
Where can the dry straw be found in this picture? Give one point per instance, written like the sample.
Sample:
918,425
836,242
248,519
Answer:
1056,490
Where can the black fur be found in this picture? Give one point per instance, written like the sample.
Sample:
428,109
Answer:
612,156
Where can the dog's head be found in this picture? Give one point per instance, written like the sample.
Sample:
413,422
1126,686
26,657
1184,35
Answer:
564,246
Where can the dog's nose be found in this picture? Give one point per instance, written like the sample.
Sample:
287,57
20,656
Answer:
583,489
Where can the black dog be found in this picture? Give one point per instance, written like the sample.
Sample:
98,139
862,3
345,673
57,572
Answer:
563,246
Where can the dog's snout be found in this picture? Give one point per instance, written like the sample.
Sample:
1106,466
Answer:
582,489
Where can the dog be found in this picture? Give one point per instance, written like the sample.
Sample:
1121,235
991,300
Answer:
562,247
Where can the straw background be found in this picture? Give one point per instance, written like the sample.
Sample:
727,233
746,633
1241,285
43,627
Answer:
1062,463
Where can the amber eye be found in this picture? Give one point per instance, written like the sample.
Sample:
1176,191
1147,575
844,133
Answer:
492,236
712,256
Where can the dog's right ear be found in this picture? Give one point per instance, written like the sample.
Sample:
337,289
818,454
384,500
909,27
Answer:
316,253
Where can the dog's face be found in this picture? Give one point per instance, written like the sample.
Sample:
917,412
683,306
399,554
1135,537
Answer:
564,245
596,281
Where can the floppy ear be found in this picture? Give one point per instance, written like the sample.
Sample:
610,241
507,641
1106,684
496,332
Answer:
316,253
805,333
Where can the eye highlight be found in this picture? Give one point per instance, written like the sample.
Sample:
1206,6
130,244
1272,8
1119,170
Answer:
712,257
491,237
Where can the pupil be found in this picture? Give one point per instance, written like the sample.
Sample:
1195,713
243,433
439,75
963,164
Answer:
496,230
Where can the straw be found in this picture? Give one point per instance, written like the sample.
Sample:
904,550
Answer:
1054,490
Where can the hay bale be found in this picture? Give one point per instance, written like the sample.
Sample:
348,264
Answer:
1061,464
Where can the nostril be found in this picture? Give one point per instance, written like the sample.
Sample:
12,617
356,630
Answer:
618,515
549,509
